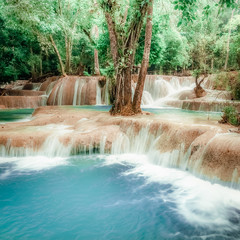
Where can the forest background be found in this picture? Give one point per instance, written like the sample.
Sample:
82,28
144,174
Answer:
208,39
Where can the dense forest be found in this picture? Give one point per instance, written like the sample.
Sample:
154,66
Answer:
63,36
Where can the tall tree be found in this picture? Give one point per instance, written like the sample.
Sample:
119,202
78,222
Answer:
145,61
228,42
123,43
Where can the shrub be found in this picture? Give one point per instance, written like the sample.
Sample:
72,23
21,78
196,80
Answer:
230,115
236,89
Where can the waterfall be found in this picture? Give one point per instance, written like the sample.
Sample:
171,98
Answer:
204,150
51,147
79,84
75,93
60,94
73,90
160,150
106,93
98,94
158,90
55,95
50,88
156,143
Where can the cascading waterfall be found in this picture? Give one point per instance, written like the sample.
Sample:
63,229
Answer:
73,90
150,138
157,91
148,142
60,94
50,88
79,84
106,93
98,95
75,93
51,147
130,142
55,95
153,141
143,151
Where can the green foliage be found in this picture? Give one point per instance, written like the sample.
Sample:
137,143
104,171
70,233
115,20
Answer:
230,115
236,88
188,9
14,55
227,3
236,91
228,82
169,48
222,81
196,72
187,35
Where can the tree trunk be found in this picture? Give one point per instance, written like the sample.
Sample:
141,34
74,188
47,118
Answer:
68,54
123,44
33,71
81,69
123,99
199,91
40,64
212,64
113,38
228,42
96,63
58,55
145,61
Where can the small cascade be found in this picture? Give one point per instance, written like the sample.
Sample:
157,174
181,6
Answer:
50,88
51,147
158,90
60,94
79,84
130,142
36,86
158,146
98,95
147,98
106,94
175,83
75,91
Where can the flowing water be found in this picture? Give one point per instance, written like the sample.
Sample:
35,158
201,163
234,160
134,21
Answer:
128,194
15,115
158,91
111,197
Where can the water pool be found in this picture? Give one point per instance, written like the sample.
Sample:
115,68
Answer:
111,197
15,115
18,115
168,113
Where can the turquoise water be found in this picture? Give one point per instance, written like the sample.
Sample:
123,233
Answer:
15,115
111,197
169,112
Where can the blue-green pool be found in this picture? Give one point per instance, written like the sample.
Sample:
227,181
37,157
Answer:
15,115
111,197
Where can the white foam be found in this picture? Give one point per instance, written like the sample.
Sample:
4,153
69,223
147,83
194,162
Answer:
157,92
198,201
52,147
36,163
98,95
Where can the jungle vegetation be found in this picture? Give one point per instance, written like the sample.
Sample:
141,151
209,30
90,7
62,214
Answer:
117,38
